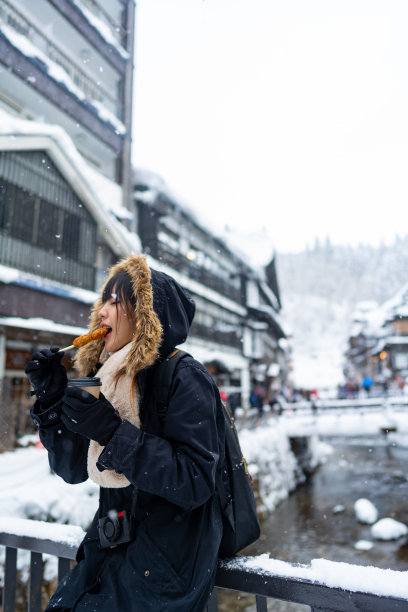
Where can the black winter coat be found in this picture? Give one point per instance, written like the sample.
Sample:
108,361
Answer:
170,565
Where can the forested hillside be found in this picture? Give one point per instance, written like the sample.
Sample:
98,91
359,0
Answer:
319,290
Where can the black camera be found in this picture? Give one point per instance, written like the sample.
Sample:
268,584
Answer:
116,528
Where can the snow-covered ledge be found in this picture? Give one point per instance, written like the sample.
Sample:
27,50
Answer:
67,535
331,574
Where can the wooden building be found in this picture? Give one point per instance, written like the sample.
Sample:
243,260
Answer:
237,331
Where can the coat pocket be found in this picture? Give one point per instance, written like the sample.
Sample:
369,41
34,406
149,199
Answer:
154,570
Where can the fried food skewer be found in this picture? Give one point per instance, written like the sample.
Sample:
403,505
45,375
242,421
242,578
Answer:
82,340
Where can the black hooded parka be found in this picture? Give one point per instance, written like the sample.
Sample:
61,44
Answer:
171,562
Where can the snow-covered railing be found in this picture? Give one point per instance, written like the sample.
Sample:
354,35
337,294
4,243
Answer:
322,585
345,404
39,538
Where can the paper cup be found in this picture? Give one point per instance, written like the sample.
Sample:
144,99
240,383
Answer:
91,384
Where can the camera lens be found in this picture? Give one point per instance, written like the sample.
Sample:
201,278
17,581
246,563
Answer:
111,530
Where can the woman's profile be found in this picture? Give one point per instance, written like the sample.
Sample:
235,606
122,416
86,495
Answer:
153,544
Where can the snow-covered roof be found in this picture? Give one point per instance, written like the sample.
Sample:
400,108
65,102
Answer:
397,306
370,319
268,310
25,279
253,250
41,324
390,341
102,197
256,248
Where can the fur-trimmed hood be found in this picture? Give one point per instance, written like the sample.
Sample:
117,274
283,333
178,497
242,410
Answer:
163,315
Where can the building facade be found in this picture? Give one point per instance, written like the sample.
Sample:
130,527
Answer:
57,237
236,331
70,205
378,343
69,63
66,73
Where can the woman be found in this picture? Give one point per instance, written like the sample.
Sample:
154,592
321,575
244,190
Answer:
153,544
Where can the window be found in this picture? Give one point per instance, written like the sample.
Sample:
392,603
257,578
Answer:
17,212
47,227
71,235
401,361
40,210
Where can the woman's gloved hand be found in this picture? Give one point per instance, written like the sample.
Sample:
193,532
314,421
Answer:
47,375
94,418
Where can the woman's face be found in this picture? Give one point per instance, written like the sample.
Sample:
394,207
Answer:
115,315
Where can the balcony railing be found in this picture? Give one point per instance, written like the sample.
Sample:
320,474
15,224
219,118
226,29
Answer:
116,29
28,258
214,335
83,81
231,575
198,273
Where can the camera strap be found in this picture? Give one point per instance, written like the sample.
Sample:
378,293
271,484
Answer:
135,494
103,511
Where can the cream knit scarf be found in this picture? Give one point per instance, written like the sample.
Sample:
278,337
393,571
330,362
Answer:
124,397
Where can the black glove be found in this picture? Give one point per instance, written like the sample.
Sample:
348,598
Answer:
89,416
47,375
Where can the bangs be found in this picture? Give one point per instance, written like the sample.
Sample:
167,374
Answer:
119,286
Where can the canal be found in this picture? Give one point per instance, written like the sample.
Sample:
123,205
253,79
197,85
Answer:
318,519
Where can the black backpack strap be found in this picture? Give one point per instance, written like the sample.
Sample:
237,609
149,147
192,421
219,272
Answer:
163,379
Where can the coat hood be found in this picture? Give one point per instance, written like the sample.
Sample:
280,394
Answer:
163,314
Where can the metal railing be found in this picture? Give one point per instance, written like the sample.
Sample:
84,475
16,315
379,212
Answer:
217,283
96,8
324,405
230,575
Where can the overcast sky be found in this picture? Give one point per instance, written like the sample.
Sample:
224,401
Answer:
288,115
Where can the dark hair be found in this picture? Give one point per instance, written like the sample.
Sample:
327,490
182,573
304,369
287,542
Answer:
121,284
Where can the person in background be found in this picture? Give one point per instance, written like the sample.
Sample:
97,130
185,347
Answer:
153,544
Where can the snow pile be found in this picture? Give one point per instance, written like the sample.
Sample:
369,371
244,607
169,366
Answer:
384,529
363,545
365,511
268,454
31,490
366,579
388,529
